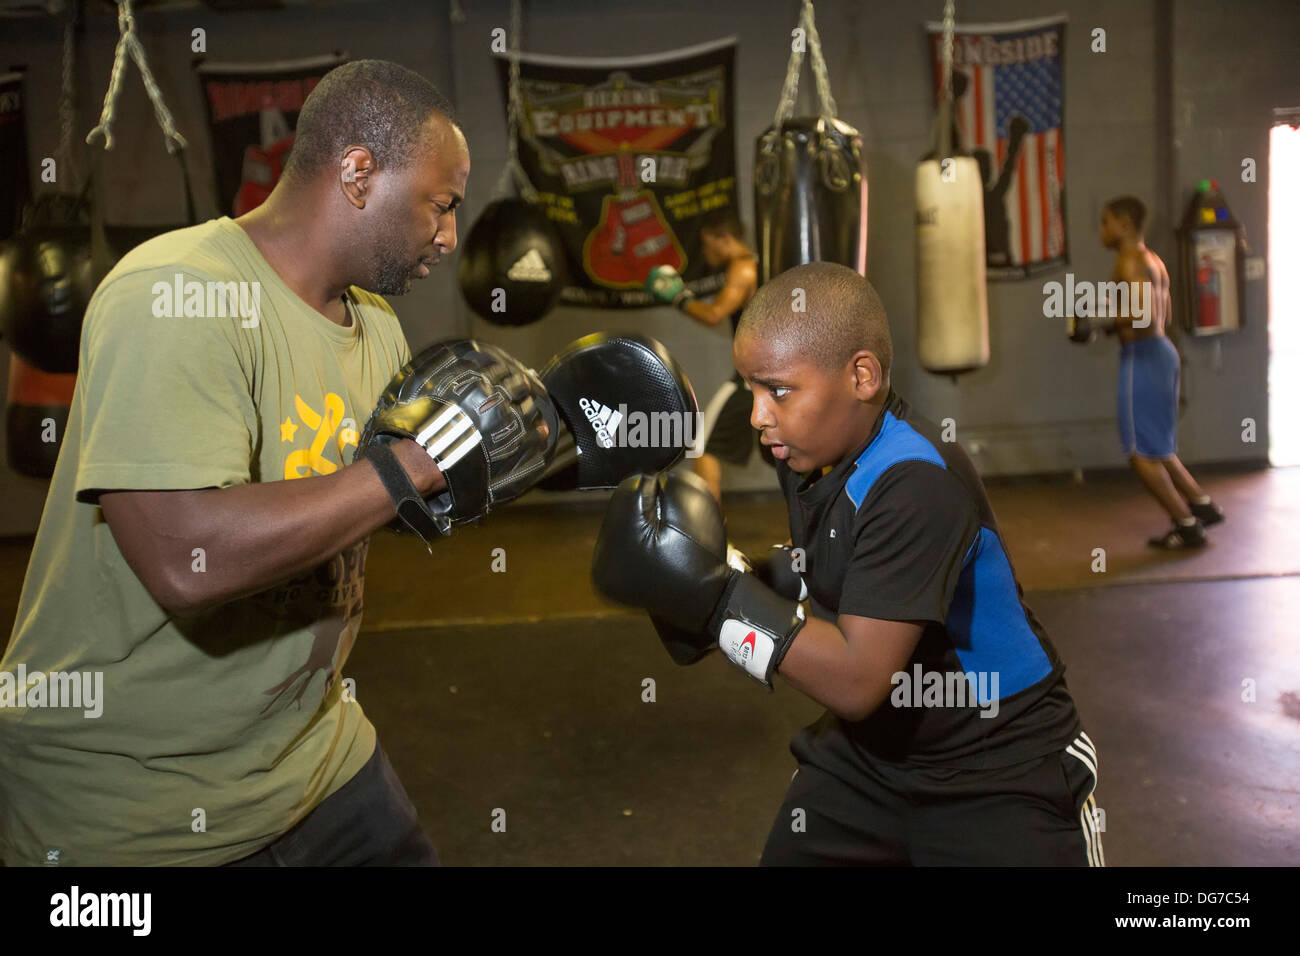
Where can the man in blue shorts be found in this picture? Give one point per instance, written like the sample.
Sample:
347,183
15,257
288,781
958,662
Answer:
1148,381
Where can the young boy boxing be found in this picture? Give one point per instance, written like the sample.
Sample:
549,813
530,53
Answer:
949,736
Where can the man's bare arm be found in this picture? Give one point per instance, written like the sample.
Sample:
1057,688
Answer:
742,276
253,536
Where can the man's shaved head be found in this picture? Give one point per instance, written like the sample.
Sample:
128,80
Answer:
372,103
842,314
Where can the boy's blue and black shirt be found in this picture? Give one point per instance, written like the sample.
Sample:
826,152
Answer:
902,530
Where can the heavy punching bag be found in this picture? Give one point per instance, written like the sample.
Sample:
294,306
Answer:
36,415
46,280
512,266
45,283
952,323
48,272
50,268
810,185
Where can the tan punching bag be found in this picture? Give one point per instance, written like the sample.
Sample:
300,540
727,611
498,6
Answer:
952,315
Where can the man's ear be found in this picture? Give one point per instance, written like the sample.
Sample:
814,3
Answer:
355,169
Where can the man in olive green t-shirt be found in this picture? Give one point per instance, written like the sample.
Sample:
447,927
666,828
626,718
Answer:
200,561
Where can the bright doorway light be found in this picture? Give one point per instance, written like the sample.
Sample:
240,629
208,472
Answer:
1284,296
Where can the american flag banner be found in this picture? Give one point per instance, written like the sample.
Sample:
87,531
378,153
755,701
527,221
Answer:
1008,83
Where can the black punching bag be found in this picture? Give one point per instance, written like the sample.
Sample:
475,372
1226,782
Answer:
810,195
46,281
35,417
512,266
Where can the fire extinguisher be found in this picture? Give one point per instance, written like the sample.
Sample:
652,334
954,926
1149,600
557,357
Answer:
1207,291
1212,247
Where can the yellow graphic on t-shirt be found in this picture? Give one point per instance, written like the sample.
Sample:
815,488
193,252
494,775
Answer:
306,462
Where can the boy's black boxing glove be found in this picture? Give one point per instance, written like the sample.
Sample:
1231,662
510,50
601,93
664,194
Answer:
776,569
663,547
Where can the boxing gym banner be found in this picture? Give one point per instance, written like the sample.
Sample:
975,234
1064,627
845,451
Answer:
252,111
1009,88
627,155
13,154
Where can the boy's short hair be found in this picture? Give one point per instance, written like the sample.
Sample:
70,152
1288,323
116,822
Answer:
723,220
842,315
1131,207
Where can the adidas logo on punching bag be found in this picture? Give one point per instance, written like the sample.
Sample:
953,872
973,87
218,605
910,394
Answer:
512,264
530,267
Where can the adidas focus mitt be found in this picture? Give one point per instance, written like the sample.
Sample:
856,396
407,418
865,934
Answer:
483,416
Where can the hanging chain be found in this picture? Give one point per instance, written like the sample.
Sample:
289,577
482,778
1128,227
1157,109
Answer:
105,127
818,62
949,23
68,101
129,44
512,99
514,110
790,87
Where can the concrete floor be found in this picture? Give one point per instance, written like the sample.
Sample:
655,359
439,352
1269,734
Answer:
524,692
546,721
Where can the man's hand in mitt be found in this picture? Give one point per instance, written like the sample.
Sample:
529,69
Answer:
480,414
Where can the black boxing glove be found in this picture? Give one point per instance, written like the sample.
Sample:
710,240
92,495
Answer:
663,547
1080,330
776,570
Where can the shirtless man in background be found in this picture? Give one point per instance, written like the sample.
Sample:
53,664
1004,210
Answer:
1148,380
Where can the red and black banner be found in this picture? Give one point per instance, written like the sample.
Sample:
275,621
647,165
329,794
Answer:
13,154
252,112
626,156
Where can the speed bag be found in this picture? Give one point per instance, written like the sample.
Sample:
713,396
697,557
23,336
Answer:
952,314
810,196
512,264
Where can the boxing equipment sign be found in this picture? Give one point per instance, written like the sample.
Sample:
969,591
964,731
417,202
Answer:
626,156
